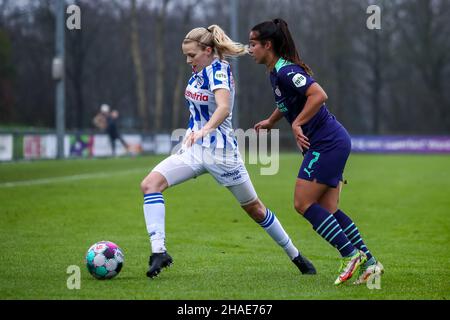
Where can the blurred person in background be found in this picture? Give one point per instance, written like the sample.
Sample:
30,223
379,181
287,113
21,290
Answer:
106,120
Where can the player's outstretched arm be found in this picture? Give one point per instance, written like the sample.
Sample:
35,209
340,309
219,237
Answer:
269,122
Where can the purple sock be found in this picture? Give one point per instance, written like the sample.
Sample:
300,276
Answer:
352,232
325,224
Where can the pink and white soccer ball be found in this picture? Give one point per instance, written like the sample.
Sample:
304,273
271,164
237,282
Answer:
104,260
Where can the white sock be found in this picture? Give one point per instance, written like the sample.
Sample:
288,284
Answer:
154,213
274,228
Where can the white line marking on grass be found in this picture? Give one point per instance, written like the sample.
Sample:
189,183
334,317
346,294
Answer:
76,177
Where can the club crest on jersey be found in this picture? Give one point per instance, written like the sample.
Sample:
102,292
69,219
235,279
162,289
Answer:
299,80
198,96
200,81
220,75
277,91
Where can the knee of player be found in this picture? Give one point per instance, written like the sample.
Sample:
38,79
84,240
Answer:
329,206
256,210
150,185
301,206
144,186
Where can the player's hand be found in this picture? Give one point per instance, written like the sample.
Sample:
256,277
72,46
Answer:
300,138
194,136
265,124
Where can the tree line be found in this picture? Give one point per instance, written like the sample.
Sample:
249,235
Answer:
128,54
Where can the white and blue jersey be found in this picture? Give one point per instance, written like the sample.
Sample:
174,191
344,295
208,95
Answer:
201,102
217,153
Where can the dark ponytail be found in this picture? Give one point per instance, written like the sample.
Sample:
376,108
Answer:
278,33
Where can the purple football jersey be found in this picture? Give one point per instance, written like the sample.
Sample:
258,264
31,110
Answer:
290,83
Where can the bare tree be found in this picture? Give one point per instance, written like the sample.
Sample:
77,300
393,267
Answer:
6,78
138,67
79,43
424,45
181,69
160,63
3,6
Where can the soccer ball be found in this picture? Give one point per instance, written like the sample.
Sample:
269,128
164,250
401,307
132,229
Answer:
104,260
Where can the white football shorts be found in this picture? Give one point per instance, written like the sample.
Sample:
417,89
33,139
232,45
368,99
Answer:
226,166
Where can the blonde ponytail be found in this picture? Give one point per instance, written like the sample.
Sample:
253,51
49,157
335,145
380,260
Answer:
216,38
224,46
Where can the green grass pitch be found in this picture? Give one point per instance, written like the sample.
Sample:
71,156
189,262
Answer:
52,211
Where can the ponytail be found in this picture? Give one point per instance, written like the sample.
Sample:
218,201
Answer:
224,46
278,33
216,38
